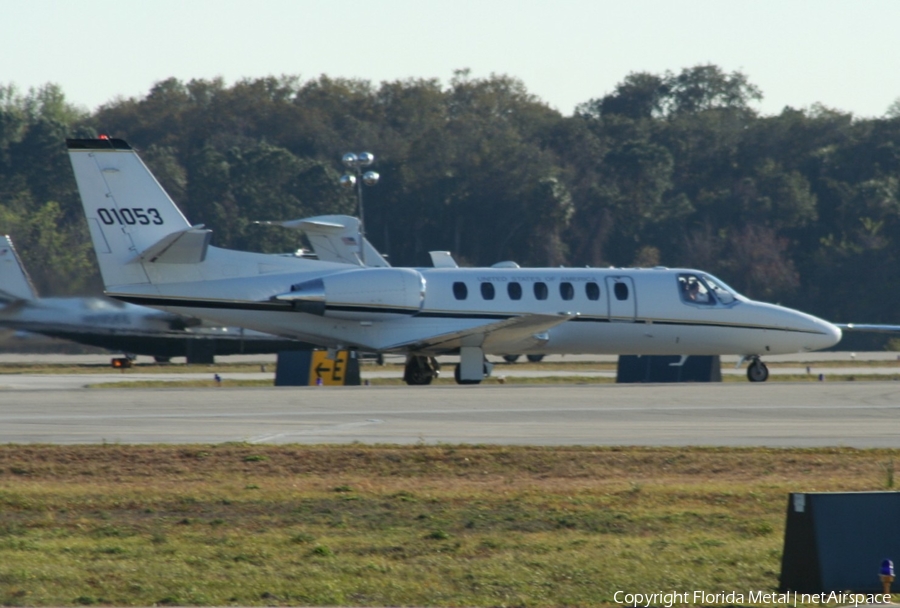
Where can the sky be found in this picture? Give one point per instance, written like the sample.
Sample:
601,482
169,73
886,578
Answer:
842,54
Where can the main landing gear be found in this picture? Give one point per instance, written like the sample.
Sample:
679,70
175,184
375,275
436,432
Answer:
420,370
457,375
757,371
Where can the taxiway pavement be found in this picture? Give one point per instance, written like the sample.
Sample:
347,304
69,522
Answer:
856,414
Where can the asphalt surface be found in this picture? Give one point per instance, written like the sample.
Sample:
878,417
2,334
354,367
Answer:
857,414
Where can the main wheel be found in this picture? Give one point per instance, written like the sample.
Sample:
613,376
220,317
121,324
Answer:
456,376
535,358
757,371
511,358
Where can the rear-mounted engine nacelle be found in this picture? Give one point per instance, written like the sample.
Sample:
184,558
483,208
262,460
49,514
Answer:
368,294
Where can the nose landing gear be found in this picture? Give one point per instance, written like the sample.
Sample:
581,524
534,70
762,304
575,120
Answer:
420,370
757,371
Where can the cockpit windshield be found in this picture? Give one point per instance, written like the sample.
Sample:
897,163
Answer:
704,290
724,293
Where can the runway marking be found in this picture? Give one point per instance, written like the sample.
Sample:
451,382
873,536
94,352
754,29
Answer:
317,431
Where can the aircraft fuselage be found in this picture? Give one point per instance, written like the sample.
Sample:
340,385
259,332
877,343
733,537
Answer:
619,310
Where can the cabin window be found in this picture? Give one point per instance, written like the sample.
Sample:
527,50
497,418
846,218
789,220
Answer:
514,290
487,291
460,291
621,291
694,291
540,291
592,291
566,291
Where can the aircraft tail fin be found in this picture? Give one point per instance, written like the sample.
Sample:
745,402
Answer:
442,259
335,238
130,216
15,284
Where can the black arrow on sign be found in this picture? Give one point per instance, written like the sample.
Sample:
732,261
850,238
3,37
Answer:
321,368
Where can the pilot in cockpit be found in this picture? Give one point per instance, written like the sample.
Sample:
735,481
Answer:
693,292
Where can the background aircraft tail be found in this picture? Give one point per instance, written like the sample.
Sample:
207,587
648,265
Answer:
130,215
15,284
335,238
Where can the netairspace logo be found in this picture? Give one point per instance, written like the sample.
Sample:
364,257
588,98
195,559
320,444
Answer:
668,599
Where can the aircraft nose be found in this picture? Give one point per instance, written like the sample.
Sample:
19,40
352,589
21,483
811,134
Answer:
832,334
825,335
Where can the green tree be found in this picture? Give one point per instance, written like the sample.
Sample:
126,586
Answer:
58,254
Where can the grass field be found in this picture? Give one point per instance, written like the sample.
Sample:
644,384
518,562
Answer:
384,525
567,380
143,375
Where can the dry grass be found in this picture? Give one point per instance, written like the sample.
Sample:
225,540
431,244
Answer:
386,525
138,370
500,367
495,379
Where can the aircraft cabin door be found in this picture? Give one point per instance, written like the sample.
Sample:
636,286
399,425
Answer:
622,299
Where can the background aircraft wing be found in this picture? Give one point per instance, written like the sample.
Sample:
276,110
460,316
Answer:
515,334
869,327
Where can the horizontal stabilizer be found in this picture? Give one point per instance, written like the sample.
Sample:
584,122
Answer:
183,247
319,226
515,334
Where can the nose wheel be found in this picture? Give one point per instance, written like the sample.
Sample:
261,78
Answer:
757,371
420,370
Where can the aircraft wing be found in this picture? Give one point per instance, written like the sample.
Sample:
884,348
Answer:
884,329
514,334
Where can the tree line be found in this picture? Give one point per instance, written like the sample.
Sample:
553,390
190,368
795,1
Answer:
673,169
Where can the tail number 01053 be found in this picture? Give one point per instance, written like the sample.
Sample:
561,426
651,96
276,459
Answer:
130,217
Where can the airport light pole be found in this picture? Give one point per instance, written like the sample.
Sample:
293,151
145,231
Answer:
355,163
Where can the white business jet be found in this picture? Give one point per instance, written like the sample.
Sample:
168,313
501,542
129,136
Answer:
149,254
